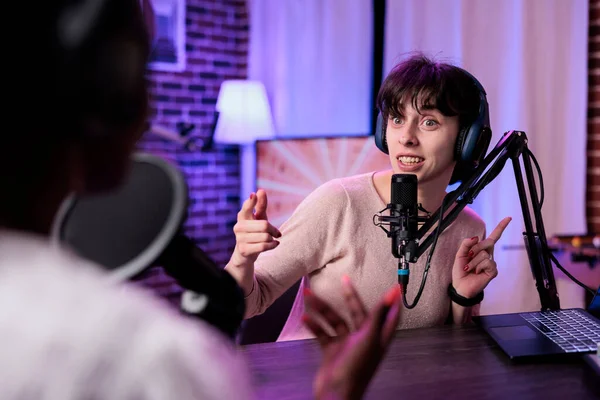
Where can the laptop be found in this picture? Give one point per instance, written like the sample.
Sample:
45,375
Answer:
544,333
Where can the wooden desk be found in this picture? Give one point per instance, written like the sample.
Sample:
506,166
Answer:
435,363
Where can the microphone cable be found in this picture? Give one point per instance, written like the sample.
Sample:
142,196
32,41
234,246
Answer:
427,263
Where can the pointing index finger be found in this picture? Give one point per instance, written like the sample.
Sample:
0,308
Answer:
499,229
261,205
246,213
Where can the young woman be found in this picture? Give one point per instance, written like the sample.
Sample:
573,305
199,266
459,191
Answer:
424,106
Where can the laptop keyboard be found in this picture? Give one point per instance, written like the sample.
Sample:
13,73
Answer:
572,330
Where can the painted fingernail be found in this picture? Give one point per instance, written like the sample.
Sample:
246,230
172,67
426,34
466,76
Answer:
346,280
251,196
307,292
474,237
466,267
471,254
392,296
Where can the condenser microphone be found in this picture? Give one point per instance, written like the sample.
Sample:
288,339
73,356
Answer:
404,210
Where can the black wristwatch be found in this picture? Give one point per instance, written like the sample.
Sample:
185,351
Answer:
463,301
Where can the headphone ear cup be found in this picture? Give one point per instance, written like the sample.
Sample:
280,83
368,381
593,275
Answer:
483,142
460,142
112,93
380,141
474,144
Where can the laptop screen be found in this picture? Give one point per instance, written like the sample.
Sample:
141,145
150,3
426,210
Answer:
594,307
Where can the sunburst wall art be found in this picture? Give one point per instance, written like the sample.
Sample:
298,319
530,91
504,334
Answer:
289,169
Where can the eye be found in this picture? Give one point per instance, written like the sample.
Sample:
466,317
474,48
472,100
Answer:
396,121
430,123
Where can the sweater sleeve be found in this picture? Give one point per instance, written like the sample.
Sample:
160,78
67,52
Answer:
311,237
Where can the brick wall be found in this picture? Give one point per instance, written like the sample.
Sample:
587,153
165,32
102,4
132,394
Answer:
217,47
593,143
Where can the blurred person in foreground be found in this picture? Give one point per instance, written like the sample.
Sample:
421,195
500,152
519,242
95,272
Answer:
67,331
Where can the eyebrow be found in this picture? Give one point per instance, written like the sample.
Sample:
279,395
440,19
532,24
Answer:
397,113
426,106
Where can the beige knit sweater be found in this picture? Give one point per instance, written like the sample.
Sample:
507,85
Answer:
332,234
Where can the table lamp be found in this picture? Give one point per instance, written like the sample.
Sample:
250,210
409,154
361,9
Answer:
244,113
244,117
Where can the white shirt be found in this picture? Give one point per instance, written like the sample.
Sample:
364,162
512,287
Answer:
67,333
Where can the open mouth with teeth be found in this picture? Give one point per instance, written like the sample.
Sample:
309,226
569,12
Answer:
410,161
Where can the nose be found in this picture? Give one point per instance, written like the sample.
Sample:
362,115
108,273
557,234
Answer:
408,137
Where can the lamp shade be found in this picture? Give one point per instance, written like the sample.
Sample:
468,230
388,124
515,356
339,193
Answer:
244,113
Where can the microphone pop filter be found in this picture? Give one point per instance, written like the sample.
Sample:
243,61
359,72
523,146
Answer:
138,225
127,229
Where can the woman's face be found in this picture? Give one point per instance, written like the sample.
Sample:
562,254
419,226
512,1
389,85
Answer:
422,144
